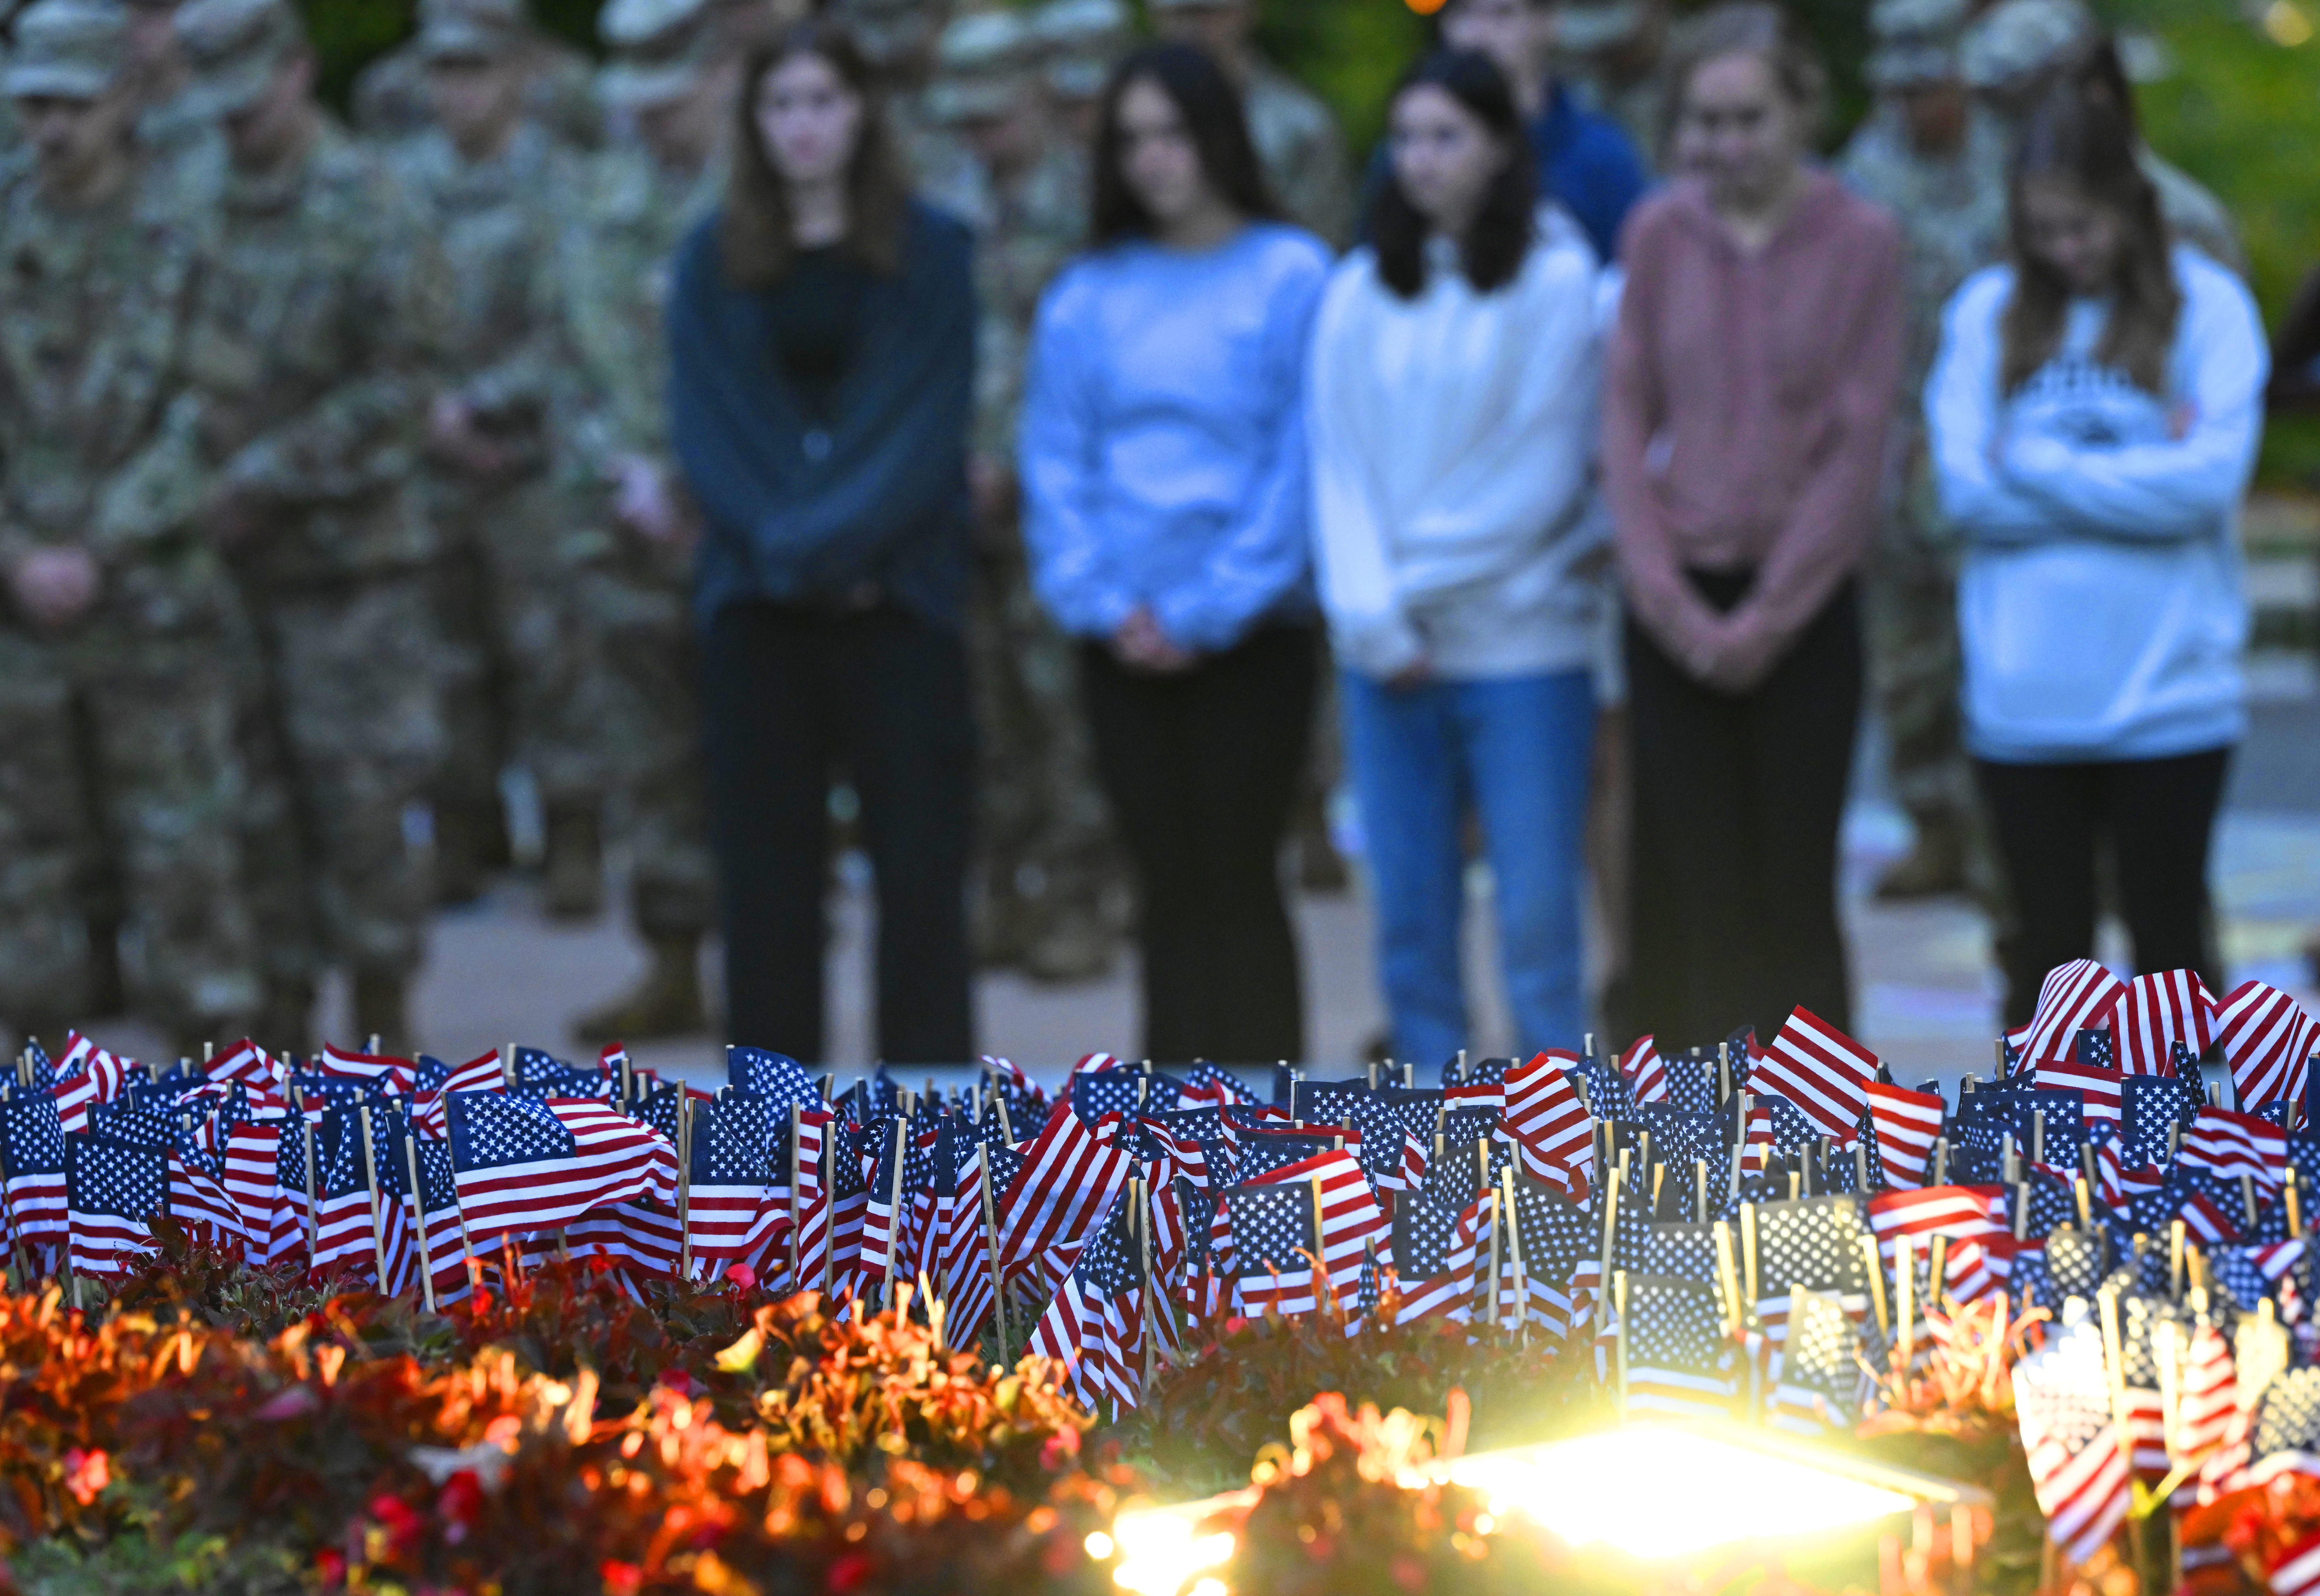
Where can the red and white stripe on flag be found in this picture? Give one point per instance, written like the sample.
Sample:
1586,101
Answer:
2298,1572
2159,1011
2234,1144
2084,1494
1908,1124
1351,1219
2269,1041
2101,1089
1962,1213
1645,1070
2074,997
1068,1179
481,1073
1824,1071
1554,1134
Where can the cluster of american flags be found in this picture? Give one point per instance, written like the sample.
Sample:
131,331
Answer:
1742,1232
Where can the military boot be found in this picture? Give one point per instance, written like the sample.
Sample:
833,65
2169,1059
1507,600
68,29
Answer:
1934,868
573,876
666,1003
381,1010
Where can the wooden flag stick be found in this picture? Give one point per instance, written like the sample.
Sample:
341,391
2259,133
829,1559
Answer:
2037,1136
2175,1260
1005,1129
2086,1204
2021,1210
683,1184
1876,1289
1748,1252
1700,1182
1937,1276
370,1180
991,1238
1610,1238
1141,1190
1727,1278
2247,1199
1861,1165
507,1065
1905,1292
1321,1236
797,1200
1514,1246
1619,1339
894,1201
1490,1313
1941,1160
419,1213
2295,1206
1724,1077
313,1230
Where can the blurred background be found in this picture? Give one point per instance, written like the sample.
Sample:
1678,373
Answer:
2231,92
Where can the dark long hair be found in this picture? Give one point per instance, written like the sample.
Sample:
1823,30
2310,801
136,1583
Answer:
1499,237
1212,109
2082,131
758,238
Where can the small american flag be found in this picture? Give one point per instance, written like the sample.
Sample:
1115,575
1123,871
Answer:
1647,1074
534,1163
776,1077
88,1075
1962,1213
2077,1466
113,1192
1906,1124
2270,1041
2234,1144
1069,1177
32,1150
2160,1011
1434,1248
2077,996
1095,1324
1351,1220
1677,1356
2100,1089
1821,1070
727,1216
1206,1085
394,1076
1271,1231
1553,1131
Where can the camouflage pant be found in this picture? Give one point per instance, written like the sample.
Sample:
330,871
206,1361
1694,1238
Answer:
351,670
122,745
1042,831
642,700
1915,663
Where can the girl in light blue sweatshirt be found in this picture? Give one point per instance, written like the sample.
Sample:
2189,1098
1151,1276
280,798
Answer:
2095,412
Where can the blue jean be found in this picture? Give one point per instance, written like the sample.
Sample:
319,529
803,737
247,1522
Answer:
1518,750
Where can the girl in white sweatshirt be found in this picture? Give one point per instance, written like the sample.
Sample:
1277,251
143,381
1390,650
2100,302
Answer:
2095,412
1453,405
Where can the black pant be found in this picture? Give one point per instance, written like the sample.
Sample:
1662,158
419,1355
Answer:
789,693
1200,767
2159,815
1738,799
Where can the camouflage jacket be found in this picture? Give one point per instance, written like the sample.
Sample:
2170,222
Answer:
1304,153
322,314
97,444
389,101
496,223
1036,225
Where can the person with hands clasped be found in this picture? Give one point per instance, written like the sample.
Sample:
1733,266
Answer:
1455,382
1751,383
1163,461
2095,412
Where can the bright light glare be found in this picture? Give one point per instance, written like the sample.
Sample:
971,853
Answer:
1662,1493
1161,1548
1098,1545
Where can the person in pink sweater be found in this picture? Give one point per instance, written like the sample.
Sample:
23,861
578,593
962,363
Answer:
1749,385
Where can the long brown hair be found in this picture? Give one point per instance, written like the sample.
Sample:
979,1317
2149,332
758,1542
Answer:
2081,133
1744,27
758,237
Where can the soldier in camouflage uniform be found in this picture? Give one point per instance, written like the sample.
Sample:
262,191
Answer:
488,179
1046,861
2012,49
1296,137
1938,161
1079,42
321,309
391,98
671,79
120,627
1610,52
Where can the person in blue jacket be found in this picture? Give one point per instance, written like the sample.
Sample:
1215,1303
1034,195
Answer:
1166,485
821,336
2094,412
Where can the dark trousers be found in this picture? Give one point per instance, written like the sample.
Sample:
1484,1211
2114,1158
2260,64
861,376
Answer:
1200,767
789,696
2159,816
1738,799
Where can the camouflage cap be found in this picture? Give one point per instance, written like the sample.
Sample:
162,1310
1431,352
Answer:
234,47
471,30
1917,42
659,48
68,49
633,24
1584,27
983,63
1079,41
2016,41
